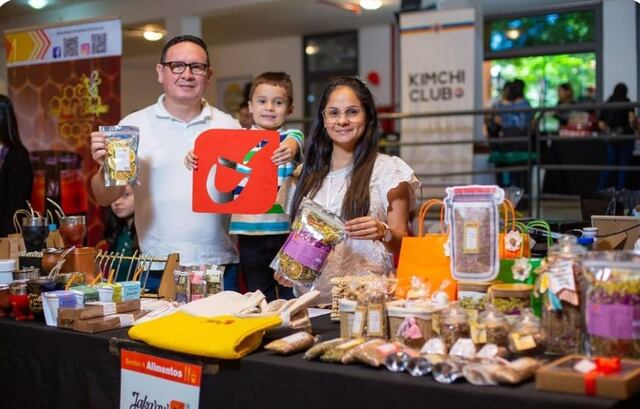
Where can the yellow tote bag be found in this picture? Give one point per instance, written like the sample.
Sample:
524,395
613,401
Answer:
224,337
423,256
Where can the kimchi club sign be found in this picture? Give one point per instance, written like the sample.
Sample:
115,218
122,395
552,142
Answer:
149,382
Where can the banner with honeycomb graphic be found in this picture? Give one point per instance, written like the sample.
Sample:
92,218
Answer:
64,81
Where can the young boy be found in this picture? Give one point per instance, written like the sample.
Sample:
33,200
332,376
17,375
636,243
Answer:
261,236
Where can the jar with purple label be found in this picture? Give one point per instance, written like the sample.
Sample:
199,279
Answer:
612,307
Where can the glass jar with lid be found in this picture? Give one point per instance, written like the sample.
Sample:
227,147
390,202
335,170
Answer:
527,337
454,325
492,328
612,303
560,284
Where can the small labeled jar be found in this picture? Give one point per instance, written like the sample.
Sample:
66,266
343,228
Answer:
510,299
527,338
472,296
454,325
492,328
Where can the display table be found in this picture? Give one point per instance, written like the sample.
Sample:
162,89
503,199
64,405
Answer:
45,367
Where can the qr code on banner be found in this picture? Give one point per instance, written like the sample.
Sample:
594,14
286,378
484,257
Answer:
99,43
70,47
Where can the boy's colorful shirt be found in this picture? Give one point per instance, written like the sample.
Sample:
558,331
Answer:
276,220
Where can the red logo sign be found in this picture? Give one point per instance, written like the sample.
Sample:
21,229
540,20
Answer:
224,164
176,405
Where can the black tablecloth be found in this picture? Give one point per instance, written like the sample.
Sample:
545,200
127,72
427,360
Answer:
42,367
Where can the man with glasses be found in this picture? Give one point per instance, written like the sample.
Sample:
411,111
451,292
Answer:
164,220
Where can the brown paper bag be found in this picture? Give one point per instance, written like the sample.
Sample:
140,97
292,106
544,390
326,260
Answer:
54,240
11,245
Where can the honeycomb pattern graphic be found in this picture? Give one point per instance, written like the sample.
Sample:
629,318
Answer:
57,106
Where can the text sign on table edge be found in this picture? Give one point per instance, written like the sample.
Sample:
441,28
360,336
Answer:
150,381
225,159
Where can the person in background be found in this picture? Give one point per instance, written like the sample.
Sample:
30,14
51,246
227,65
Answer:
16,173
164,219
343,171
260,236
244,115
513,125
565,97
617,122
120,230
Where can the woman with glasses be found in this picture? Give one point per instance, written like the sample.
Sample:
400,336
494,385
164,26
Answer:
344,172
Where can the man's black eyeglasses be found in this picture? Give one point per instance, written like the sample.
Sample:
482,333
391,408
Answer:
178,67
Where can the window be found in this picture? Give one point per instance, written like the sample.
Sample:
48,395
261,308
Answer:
326,57
576,27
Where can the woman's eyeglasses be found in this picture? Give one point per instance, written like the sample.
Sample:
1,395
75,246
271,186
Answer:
332,115
178,67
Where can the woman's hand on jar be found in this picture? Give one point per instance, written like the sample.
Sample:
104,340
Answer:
365,228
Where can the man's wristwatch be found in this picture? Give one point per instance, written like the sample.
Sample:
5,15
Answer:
388,234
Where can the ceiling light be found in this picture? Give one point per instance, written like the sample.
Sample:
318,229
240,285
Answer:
152,35
512,34
311,49
370,4
38,4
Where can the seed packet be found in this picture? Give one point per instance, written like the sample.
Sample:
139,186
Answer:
121,161
321,347
291,344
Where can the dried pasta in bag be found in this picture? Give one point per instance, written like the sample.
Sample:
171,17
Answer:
291,344
472,215
314,234
121,161
321,347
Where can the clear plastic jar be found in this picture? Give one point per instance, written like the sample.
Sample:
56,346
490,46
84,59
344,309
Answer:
454,325
612,303
527,338
492,327
564,326
472,296
510,299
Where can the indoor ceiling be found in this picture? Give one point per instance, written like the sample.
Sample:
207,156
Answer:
229,21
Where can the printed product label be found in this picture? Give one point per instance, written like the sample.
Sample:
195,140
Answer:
358,322
613,320
310,254
122,160
374,321
470,238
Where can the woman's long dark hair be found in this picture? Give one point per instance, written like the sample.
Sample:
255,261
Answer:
9,135
318,149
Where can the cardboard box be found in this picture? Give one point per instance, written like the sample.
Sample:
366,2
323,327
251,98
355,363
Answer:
100,324
560,376
98,309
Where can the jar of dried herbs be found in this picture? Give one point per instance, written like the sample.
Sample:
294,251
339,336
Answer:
613,303
527,338
559,284
510,299
492,328
454,325
472,296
